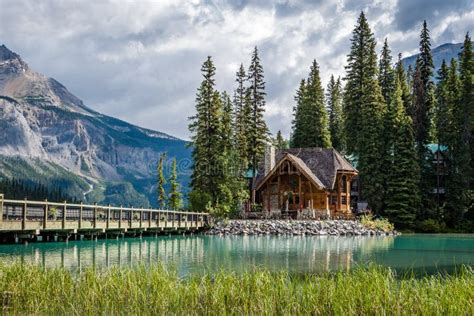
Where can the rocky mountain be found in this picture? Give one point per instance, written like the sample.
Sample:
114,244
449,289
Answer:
48,134
446,51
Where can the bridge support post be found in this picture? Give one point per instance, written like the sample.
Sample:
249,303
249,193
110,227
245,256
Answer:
108,217
158,219
23,214
149,218
81,211
2,197
120,217
131,218
141,217
94,214
45,214
64,215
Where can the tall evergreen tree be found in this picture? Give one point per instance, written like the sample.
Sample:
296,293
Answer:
205,127
466,69
424,95
334,102
311,122
161,182
175,201
231,187
364,109
299,120
423,107
443,112
386,73
461,98
402,198
280,142
242,117
257,133
402,78
318,122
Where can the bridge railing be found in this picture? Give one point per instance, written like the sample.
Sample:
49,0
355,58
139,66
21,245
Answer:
26,214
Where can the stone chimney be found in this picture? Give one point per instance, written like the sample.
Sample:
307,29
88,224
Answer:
269,157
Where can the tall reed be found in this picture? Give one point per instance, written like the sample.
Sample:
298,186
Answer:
155,290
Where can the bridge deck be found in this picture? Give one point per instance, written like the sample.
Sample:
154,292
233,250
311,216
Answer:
37,217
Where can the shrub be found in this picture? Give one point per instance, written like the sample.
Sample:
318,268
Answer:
380,223
432,226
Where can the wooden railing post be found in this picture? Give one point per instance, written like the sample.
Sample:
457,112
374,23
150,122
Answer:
94,214
64,214
23,215
108,217
179,220
81,214
158,219
149,218
120,217
2,197
172,223
45,214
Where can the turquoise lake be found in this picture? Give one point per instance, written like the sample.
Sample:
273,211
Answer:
198,254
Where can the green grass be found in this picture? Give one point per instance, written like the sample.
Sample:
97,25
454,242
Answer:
31,290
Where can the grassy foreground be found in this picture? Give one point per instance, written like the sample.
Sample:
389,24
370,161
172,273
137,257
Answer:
146,291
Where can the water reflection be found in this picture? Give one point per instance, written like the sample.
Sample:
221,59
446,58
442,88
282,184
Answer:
198,254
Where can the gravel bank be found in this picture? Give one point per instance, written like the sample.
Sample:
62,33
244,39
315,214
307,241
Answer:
295,228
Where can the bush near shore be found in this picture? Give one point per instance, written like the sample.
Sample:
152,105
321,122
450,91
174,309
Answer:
32,290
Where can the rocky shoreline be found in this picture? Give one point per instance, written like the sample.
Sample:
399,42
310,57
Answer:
295,228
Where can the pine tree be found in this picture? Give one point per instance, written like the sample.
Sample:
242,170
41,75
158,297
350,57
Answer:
175,201
311,122
466,69
402,198
334,104
161,182
461,98
404,85
299,121
257,133
423,107
241,118
280,142
443,111
386,73
364,109
318,122
205,127
386,78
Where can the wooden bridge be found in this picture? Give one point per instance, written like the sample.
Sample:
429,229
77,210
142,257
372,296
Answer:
24,219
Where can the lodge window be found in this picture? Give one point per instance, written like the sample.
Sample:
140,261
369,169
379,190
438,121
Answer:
333,199
344,200
344,184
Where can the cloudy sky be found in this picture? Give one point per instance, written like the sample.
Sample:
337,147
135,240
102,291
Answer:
140,60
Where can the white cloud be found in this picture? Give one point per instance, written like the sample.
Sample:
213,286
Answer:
140,60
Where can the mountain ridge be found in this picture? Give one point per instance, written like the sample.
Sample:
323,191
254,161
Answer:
46,125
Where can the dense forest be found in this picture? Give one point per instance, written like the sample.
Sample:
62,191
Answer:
19,189
378,115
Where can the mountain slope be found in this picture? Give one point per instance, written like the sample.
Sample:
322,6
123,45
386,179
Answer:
42,123
445,51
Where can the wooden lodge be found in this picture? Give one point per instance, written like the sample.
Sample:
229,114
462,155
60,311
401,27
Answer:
304,183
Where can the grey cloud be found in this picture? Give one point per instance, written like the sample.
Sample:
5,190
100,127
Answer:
141,61
412,13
